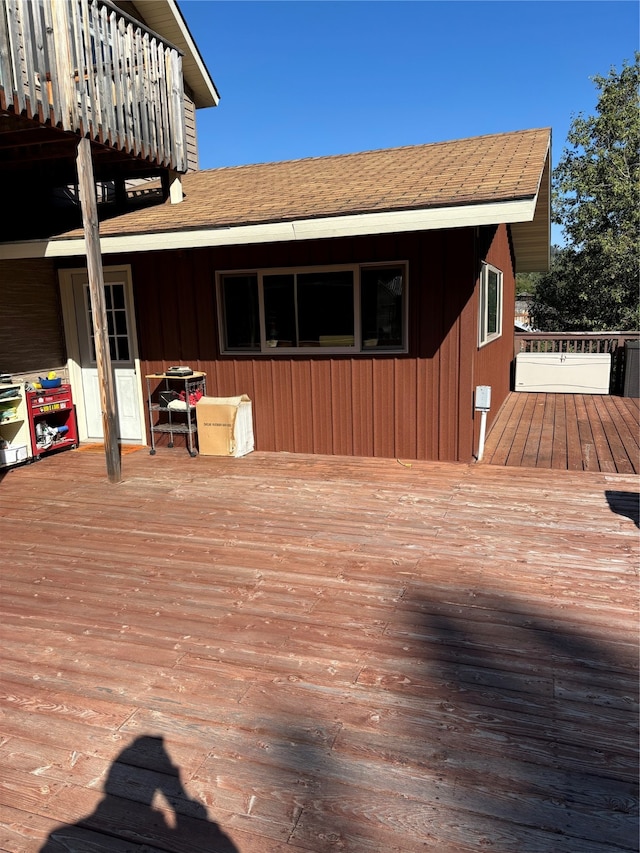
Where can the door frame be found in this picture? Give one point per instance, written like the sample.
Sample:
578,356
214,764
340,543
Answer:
74,360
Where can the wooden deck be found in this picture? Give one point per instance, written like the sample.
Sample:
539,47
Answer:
578,432
285,653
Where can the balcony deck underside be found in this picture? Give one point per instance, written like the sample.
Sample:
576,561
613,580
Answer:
33,147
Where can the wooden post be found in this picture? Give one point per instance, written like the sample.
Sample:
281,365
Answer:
172,186
87,192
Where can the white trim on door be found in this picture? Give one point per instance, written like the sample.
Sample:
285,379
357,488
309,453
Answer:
74,360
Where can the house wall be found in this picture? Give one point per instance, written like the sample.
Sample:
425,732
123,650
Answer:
493,361
418,405
31,331
414,405
191,138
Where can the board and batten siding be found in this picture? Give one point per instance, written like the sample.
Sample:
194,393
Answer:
417,405
31,331
494,361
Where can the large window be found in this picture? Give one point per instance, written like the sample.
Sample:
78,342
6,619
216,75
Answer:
349,309
490,314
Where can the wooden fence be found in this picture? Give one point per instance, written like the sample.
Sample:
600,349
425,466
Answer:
85,66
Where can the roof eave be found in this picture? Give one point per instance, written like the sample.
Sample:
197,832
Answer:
174,27
516,212
532,240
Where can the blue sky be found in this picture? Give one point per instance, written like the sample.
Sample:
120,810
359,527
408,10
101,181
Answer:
305,78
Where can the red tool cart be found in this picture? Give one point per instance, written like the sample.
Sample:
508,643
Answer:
52,420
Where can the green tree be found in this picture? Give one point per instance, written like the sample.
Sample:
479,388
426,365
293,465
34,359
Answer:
526,283
593,281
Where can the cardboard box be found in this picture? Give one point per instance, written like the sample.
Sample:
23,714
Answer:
225,426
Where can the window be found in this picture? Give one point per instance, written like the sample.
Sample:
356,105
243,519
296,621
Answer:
240,306
490,314
117,331
348,309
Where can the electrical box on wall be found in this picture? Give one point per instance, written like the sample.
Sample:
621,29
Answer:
483,398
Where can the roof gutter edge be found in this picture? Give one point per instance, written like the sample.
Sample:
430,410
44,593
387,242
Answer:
324,228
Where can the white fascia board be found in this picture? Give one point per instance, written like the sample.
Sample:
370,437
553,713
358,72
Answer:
415,220
303,229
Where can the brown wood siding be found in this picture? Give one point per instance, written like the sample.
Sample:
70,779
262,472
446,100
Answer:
417,405
456,374
493,361
190,134
31,332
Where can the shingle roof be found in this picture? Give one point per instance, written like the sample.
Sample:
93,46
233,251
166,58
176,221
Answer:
500,167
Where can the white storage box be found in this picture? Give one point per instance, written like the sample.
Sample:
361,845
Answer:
563,372
225,426
11,455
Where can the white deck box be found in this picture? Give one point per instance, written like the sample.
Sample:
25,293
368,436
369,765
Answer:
563,373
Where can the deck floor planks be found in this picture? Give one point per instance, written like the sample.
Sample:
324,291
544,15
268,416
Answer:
574,448
533,438
601,439
504,429
515,450
442,657
617,448
548,437
560,442
589,429
566,431
625,414
624,433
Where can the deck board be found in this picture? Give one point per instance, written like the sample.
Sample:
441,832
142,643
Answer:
304,653
579,432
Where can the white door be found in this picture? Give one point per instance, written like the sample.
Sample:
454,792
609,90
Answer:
123,348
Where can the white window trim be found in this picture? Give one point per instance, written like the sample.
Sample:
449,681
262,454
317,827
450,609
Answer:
356,350
484,337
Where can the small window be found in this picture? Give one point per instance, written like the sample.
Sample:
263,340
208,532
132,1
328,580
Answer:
382,299
490,314
349,309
